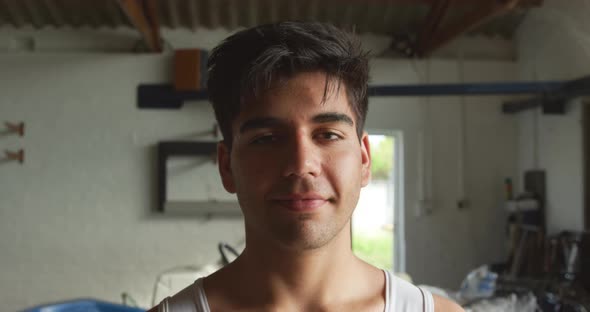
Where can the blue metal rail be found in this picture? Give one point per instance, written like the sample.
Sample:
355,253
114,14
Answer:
466,88
551,95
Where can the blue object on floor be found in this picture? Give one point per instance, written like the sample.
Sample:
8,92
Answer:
84,305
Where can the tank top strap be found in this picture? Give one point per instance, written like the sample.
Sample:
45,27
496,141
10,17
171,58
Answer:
201,298
388,291
190,299
402,296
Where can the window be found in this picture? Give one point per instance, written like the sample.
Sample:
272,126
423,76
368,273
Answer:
376,227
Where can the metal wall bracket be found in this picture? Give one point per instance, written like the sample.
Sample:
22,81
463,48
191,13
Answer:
554,101
165,96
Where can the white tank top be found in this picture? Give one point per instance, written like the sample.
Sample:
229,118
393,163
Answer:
400,296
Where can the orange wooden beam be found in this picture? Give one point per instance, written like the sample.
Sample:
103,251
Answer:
486,11
143,14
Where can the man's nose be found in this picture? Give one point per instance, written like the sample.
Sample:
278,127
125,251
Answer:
302,157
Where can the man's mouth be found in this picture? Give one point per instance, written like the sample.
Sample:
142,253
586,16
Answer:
301,202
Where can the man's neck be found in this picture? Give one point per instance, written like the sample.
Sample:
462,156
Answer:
300,278
302,273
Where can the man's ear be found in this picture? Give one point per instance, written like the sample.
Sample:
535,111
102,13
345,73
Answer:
365,160
224,166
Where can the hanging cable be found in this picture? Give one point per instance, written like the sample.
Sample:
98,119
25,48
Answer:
462,201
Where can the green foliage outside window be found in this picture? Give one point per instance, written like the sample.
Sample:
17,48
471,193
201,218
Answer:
382,159
375,248
375,244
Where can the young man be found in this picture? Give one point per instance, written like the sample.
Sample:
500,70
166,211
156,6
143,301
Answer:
291,100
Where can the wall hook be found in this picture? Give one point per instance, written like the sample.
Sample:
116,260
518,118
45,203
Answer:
15,128
15,156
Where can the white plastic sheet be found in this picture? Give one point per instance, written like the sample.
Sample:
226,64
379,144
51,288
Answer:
512,303
479,283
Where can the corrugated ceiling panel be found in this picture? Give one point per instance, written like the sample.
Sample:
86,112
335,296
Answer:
382,17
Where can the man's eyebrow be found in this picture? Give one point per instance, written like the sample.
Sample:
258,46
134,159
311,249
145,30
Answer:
262,122
332,117
269,122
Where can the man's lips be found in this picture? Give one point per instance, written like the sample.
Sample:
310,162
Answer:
300,202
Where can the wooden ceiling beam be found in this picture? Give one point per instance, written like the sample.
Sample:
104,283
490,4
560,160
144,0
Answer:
433,21
143,14
484,12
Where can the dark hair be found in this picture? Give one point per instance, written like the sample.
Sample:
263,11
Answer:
249,62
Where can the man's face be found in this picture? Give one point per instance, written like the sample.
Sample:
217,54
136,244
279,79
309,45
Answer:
296,163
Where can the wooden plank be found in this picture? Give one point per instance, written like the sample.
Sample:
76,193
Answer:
143,15
433,20
187,70
484,12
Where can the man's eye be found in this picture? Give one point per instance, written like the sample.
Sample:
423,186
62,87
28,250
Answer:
264,139
329,136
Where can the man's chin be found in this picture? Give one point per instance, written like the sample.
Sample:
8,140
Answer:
303,237
302,245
